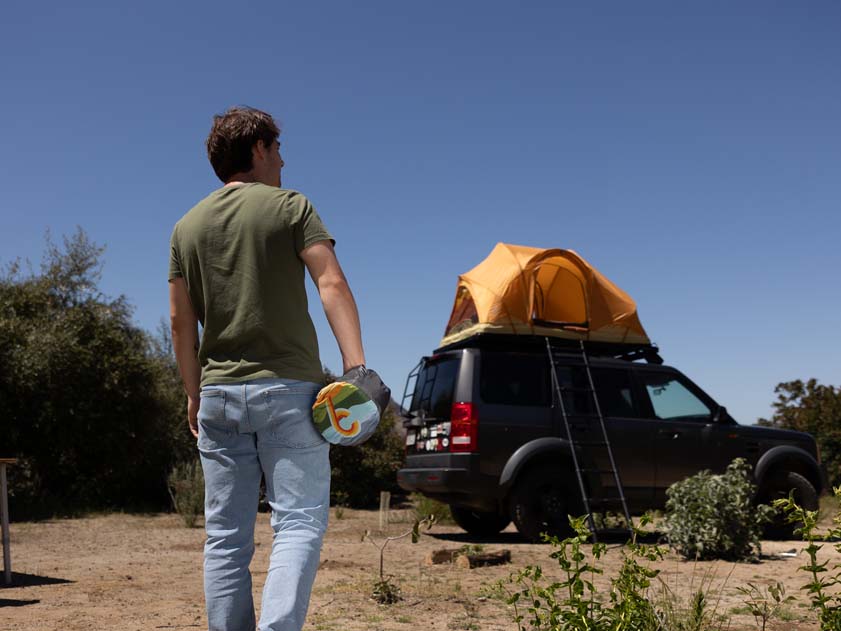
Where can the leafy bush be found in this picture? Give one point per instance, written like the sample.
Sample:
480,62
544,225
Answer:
713,516
90,403
825,600
360,473
186,488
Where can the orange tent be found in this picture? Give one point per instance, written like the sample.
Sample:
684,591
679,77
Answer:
533,291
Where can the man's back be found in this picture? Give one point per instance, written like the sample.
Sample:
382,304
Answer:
237,250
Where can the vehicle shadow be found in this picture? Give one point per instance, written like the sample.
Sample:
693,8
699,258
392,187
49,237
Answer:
650,538
464,537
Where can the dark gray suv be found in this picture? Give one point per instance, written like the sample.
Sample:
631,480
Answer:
487,434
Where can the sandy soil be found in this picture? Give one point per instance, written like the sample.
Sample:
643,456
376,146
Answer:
131,572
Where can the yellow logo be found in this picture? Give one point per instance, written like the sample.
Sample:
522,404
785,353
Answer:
336,415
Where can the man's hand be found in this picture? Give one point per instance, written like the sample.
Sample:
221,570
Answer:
185,343
193,415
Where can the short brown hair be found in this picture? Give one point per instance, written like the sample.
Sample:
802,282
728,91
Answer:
233,135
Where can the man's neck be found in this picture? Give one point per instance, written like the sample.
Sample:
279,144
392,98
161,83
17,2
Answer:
241,178
247,178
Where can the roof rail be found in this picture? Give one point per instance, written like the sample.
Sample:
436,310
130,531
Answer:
508,342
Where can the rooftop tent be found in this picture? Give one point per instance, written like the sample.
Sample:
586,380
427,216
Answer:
518,289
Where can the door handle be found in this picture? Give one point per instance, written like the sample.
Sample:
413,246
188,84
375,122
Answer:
671,432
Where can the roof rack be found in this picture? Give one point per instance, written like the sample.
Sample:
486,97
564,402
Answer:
507,342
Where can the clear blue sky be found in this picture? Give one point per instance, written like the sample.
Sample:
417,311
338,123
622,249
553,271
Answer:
690,151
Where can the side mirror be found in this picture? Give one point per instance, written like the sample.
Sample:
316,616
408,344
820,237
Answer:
720,414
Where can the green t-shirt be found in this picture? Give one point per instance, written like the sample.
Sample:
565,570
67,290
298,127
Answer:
238,251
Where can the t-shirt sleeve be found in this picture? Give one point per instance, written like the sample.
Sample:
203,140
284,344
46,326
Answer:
308,226
174,258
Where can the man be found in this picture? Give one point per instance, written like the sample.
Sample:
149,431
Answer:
237,267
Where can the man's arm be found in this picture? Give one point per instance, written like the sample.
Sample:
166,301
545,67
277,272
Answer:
185,342
339,305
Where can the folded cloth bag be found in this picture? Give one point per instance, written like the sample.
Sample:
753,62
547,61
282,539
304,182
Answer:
348,411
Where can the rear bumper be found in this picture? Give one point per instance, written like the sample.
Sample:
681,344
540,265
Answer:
452,479
435,480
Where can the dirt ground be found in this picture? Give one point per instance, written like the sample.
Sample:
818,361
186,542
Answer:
140,572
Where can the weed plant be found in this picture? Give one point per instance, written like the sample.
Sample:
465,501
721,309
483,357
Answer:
573,603
186,488
822,587
765,604
386,591
638,599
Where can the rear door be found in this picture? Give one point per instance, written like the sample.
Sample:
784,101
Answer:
628,431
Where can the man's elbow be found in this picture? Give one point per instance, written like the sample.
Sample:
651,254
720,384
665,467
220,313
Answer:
181,324
334,284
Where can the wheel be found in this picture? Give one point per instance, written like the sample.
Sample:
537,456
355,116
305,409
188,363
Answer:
542,499
477,522
779,485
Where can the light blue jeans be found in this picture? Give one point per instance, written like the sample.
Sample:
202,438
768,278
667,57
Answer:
246,430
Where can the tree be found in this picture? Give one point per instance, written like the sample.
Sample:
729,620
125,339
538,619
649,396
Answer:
87,399
814,408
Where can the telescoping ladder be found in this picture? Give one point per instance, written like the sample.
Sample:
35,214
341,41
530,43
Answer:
591,446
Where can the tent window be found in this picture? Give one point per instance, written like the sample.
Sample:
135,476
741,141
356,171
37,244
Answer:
464,313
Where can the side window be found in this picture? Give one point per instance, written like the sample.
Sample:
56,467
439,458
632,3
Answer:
435,387
613,387
616,396
515,379
671,400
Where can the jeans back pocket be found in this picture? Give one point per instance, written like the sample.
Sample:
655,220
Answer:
290,416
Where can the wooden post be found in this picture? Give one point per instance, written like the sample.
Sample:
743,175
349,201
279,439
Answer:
4,520
385,505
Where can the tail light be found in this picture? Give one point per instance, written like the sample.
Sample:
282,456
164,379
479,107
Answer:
464,428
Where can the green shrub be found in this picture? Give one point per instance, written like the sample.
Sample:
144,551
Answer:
186,487
713,516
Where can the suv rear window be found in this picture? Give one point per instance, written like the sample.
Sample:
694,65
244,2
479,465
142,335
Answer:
515,379
434,388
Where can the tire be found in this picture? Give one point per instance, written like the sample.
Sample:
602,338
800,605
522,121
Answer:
779,485
479,523
541,502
